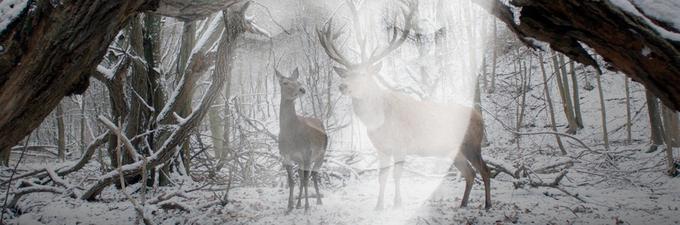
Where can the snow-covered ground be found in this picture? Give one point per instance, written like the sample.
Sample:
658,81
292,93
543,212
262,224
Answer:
644,196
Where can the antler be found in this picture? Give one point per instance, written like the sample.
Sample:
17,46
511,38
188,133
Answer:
396,40
327,38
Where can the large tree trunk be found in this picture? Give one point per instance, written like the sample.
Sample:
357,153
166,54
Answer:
49,52
618,36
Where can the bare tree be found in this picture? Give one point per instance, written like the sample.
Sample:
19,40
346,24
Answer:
603,110
551,109
655,124
575,96
564,94
669,134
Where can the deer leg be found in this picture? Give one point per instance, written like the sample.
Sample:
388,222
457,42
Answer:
306,192
291,186
464,167
398,168
479,165
302,177
315,178
382,179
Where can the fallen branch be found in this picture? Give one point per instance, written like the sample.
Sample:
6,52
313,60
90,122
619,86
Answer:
555,184
139,209
84,159
553,168
500,169
56,179
28,188
164,197
131,150
169,204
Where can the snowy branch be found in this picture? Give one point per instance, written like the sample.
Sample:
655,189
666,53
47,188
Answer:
192,10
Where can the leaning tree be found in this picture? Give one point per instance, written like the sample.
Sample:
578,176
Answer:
50,50
630,39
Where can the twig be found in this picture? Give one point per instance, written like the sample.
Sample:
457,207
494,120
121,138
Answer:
500,169
542,132
555,184
130,148
9,184
169,204
56,179
138,208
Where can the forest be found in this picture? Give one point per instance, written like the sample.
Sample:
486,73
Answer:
339,112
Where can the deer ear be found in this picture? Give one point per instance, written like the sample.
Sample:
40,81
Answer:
340,71
278,74
295,75
244,7
375,69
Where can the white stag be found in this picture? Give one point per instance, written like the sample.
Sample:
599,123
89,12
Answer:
399,125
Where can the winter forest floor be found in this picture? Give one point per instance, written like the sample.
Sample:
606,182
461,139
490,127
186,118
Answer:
642,196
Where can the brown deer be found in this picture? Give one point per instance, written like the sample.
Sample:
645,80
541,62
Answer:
399,125
302,140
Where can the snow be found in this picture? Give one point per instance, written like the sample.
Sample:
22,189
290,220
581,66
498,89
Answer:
663,10
108,73
212,27
646,51
657,9
9,10
540,44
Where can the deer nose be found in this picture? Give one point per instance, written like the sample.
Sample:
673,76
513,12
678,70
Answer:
302,90
342,87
